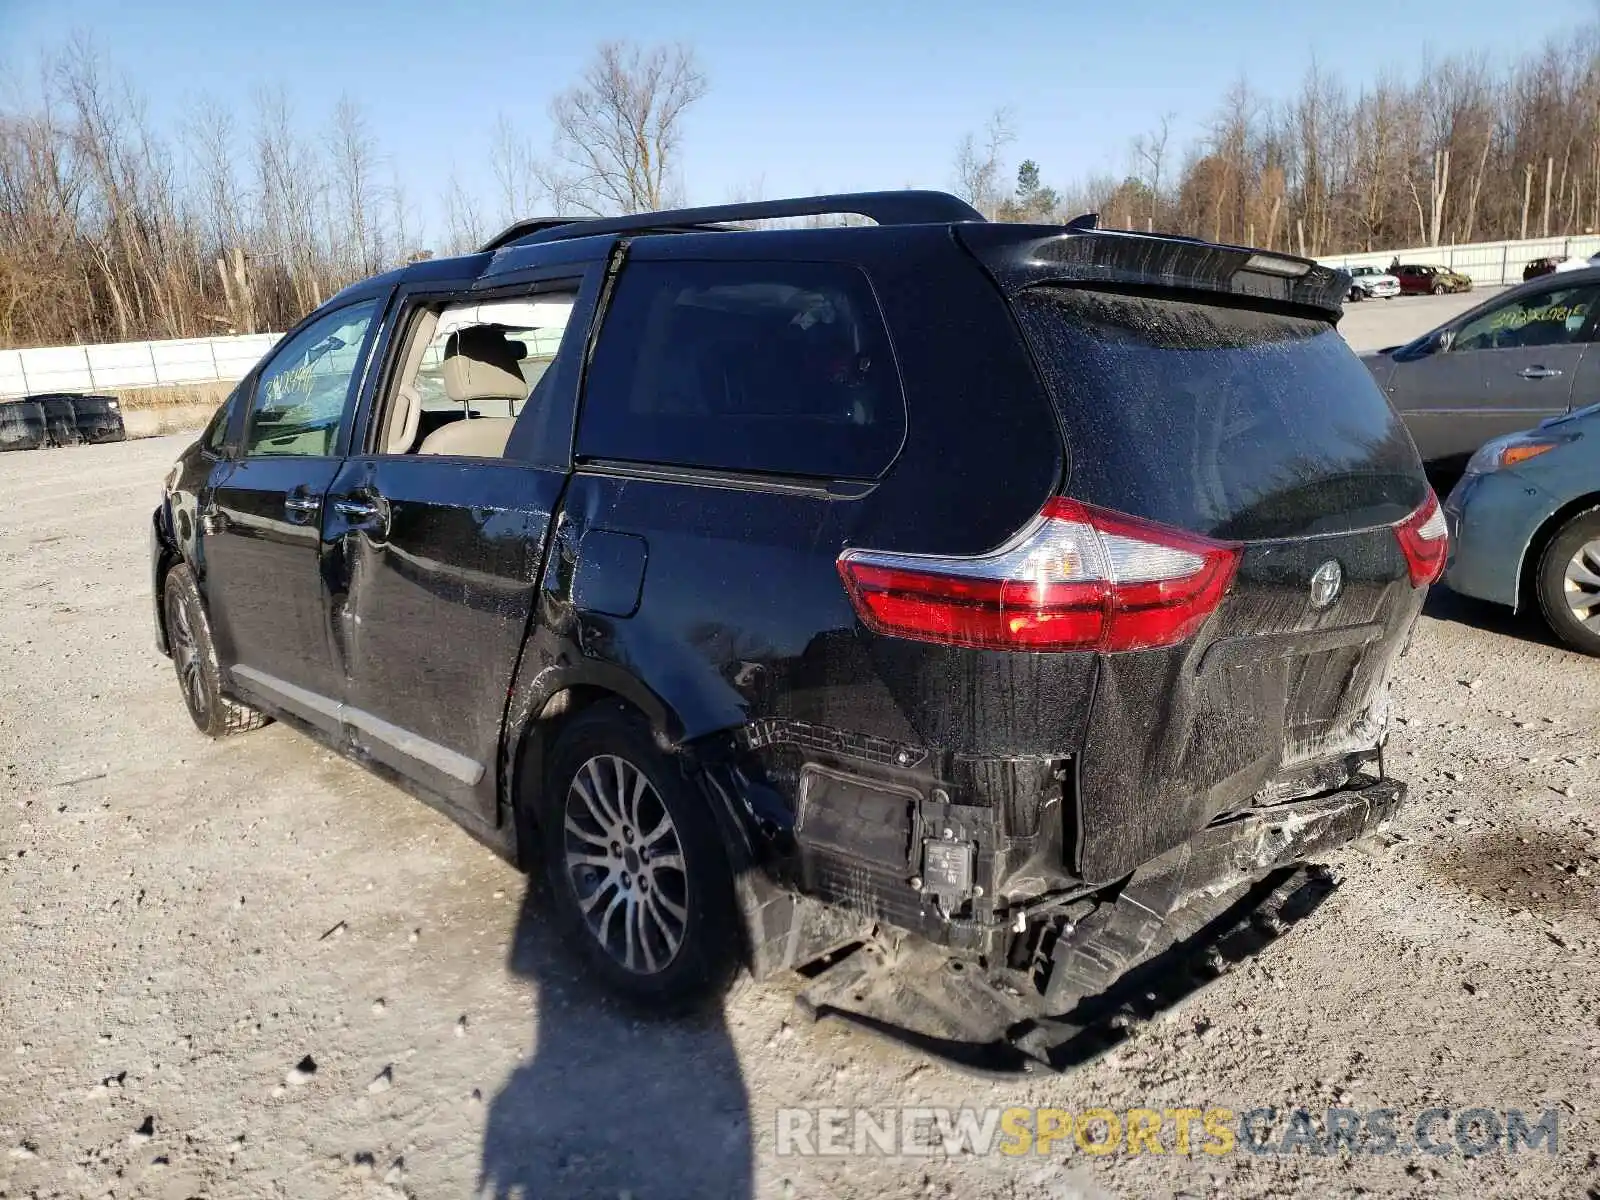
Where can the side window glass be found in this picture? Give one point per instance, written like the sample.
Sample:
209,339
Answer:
216,434
468,371
301,393
776,368
1548,318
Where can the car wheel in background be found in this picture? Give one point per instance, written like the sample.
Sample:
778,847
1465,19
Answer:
195,658
637,868
1568,582
1357,295
1438,289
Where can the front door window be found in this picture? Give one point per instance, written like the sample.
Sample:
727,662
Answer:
1549,318
301,394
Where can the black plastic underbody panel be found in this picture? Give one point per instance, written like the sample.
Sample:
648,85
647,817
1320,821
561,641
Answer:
1179,923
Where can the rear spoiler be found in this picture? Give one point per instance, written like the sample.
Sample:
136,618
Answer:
1023,255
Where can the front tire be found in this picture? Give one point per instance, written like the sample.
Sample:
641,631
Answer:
194,655
1568,583
637,868
1438,289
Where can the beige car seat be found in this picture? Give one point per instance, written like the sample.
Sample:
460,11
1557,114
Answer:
480,363
403,424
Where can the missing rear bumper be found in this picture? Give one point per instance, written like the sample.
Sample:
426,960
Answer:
1174,926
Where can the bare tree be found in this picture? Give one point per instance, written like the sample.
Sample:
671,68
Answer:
464,227
402,220
288,190
516,170
980,163
106,232
619,130
211,140
352,151
1150,152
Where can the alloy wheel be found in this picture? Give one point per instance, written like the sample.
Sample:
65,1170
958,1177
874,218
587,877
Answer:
1582,584
625,863
186,655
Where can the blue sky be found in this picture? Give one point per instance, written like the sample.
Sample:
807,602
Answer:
827,95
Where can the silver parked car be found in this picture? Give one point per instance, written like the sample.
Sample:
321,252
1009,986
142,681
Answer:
1514,360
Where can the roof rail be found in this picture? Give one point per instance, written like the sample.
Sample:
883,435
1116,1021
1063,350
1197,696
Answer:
907,207
521,229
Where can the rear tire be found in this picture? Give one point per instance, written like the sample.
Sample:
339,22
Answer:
1568,583
194,656
638,872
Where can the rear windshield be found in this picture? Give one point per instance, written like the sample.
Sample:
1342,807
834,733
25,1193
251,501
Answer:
1224,421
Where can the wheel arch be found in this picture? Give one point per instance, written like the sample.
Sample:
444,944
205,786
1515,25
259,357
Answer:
541,707
164,555
1533,552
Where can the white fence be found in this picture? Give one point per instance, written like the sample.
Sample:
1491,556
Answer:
130,364
1485,263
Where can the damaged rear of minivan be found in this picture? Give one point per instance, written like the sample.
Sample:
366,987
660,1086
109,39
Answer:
1193,635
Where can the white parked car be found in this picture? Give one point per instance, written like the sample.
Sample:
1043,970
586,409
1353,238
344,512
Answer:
1369,283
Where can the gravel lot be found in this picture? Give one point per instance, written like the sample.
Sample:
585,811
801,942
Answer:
249,969
1373,324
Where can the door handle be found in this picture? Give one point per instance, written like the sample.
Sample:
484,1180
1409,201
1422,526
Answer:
302,505
1538,372
358,510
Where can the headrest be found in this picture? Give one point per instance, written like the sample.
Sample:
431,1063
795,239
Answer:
480,363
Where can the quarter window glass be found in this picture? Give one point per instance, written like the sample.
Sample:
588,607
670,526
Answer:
1552,318
776,368
301,394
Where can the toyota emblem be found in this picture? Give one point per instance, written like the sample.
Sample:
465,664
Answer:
1326,583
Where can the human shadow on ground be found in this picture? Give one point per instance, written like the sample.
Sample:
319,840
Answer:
611,1102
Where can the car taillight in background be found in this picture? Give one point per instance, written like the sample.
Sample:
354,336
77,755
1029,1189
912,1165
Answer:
1424,540
1077,578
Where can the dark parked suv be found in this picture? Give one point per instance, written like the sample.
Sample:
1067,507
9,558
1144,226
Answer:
971,609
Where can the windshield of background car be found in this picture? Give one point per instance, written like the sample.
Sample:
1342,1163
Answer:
1229,422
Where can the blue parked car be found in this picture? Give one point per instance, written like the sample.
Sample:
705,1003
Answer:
1525,525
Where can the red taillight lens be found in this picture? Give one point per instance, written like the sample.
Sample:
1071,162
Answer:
1424,540
1077,578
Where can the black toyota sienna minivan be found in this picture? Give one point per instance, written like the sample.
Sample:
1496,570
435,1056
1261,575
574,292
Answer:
957,611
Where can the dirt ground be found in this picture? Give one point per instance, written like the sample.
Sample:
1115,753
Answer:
249,969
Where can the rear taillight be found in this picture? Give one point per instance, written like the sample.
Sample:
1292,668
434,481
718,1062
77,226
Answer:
1077,578
1425,541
